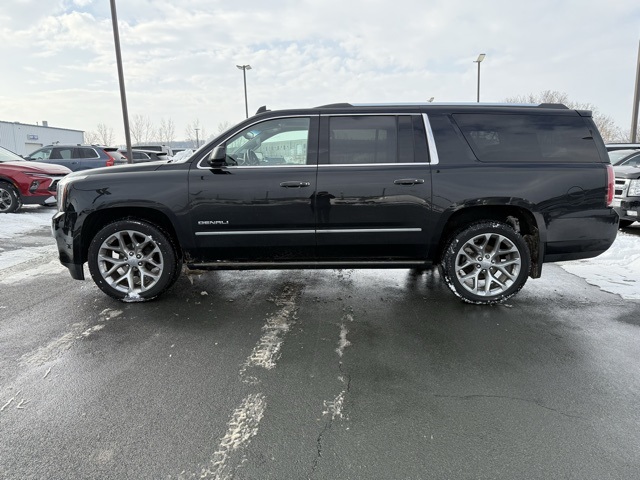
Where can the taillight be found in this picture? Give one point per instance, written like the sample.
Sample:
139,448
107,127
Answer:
610,185
111,161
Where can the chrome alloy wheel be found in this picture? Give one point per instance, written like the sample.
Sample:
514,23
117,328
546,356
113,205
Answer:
487,264
130,261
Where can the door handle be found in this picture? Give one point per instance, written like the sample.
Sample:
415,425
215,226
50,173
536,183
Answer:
295,184
408,181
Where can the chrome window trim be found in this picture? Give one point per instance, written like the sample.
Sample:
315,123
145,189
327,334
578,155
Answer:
261,120
304,165
431,141
370,114
324,165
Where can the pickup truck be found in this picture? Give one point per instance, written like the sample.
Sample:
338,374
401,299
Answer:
488,193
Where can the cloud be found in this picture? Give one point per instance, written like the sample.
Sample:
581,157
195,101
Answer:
179,57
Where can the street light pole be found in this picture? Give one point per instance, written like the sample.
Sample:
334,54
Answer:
123,96
197,139
479,61
244,69
636,103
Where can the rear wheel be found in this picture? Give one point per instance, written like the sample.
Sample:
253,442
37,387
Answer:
133,260
486,263
9,198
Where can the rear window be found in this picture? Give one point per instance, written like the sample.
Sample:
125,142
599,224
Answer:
528,138
84,152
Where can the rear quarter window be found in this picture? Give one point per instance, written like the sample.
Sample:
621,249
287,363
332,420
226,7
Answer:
528,138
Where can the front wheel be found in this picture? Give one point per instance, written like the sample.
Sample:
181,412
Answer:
486,263
133,260
9,198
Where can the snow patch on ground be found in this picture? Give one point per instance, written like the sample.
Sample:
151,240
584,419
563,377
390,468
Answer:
616,271
26,220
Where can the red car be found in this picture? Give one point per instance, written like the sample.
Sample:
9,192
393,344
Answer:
23,182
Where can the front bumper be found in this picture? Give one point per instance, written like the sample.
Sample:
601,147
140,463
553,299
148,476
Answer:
68,250
627,209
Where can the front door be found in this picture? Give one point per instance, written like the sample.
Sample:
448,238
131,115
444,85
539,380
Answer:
258,205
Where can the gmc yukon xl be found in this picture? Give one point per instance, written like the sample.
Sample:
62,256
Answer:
486,192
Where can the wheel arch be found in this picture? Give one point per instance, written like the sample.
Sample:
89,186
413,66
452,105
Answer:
100,218
522,219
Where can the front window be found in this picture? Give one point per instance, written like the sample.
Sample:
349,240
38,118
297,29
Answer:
273,142
42,154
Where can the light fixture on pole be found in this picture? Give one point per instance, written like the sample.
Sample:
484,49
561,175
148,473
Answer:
479,61
244,69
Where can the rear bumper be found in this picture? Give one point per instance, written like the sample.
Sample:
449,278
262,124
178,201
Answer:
585,235
68,251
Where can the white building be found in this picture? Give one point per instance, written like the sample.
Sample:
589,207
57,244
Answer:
23,138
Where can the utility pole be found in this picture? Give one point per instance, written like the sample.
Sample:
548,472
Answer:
636,101
123,96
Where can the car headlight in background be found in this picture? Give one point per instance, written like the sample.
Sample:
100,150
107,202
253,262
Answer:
634,188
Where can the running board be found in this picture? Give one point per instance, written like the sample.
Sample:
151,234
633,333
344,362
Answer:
223,265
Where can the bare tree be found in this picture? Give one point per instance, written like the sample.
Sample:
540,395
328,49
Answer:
222,126
166,131
91,137
608,129
195,133
105,134
142,129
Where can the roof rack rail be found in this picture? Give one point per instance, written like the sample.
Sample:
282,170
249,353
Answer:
335,105
553,105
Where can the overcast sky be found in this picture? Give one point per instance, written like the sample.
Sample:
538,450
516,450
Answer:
180,56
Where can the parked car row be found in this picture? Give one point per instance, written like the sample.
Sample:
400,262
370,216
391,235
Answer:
23,182
625,158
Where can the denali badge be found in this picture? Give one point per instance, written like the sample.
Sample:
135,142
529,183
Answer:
213,222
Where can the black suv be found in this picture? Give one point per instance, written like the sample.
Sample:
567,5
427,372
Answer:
488,193
79,157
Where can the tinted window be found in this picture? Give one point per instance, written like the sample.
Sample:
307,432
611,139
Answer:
528,138
65,153
374,139
86,153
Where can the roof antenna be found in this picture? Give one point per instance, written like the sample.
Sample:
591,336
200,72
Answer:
262,109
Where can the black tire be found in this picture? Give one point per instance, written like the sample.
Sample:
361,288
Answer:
486,263
10,201
132,260
625,223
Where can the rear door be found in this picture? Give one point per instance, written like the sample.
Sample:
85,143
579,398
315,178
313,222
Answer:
258,206
373,199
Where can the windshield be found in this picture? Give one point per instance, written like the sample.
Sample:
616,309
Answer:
9,156
617,156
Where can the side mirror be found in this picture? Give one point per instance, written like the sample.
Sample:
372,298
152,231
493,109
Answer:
218,157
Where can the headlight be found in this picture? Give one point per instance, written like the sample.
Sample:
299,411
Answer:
63,189
634,188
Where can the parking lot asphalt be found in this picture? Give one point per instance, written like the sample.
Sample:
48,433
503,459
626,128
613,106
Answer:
334,374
